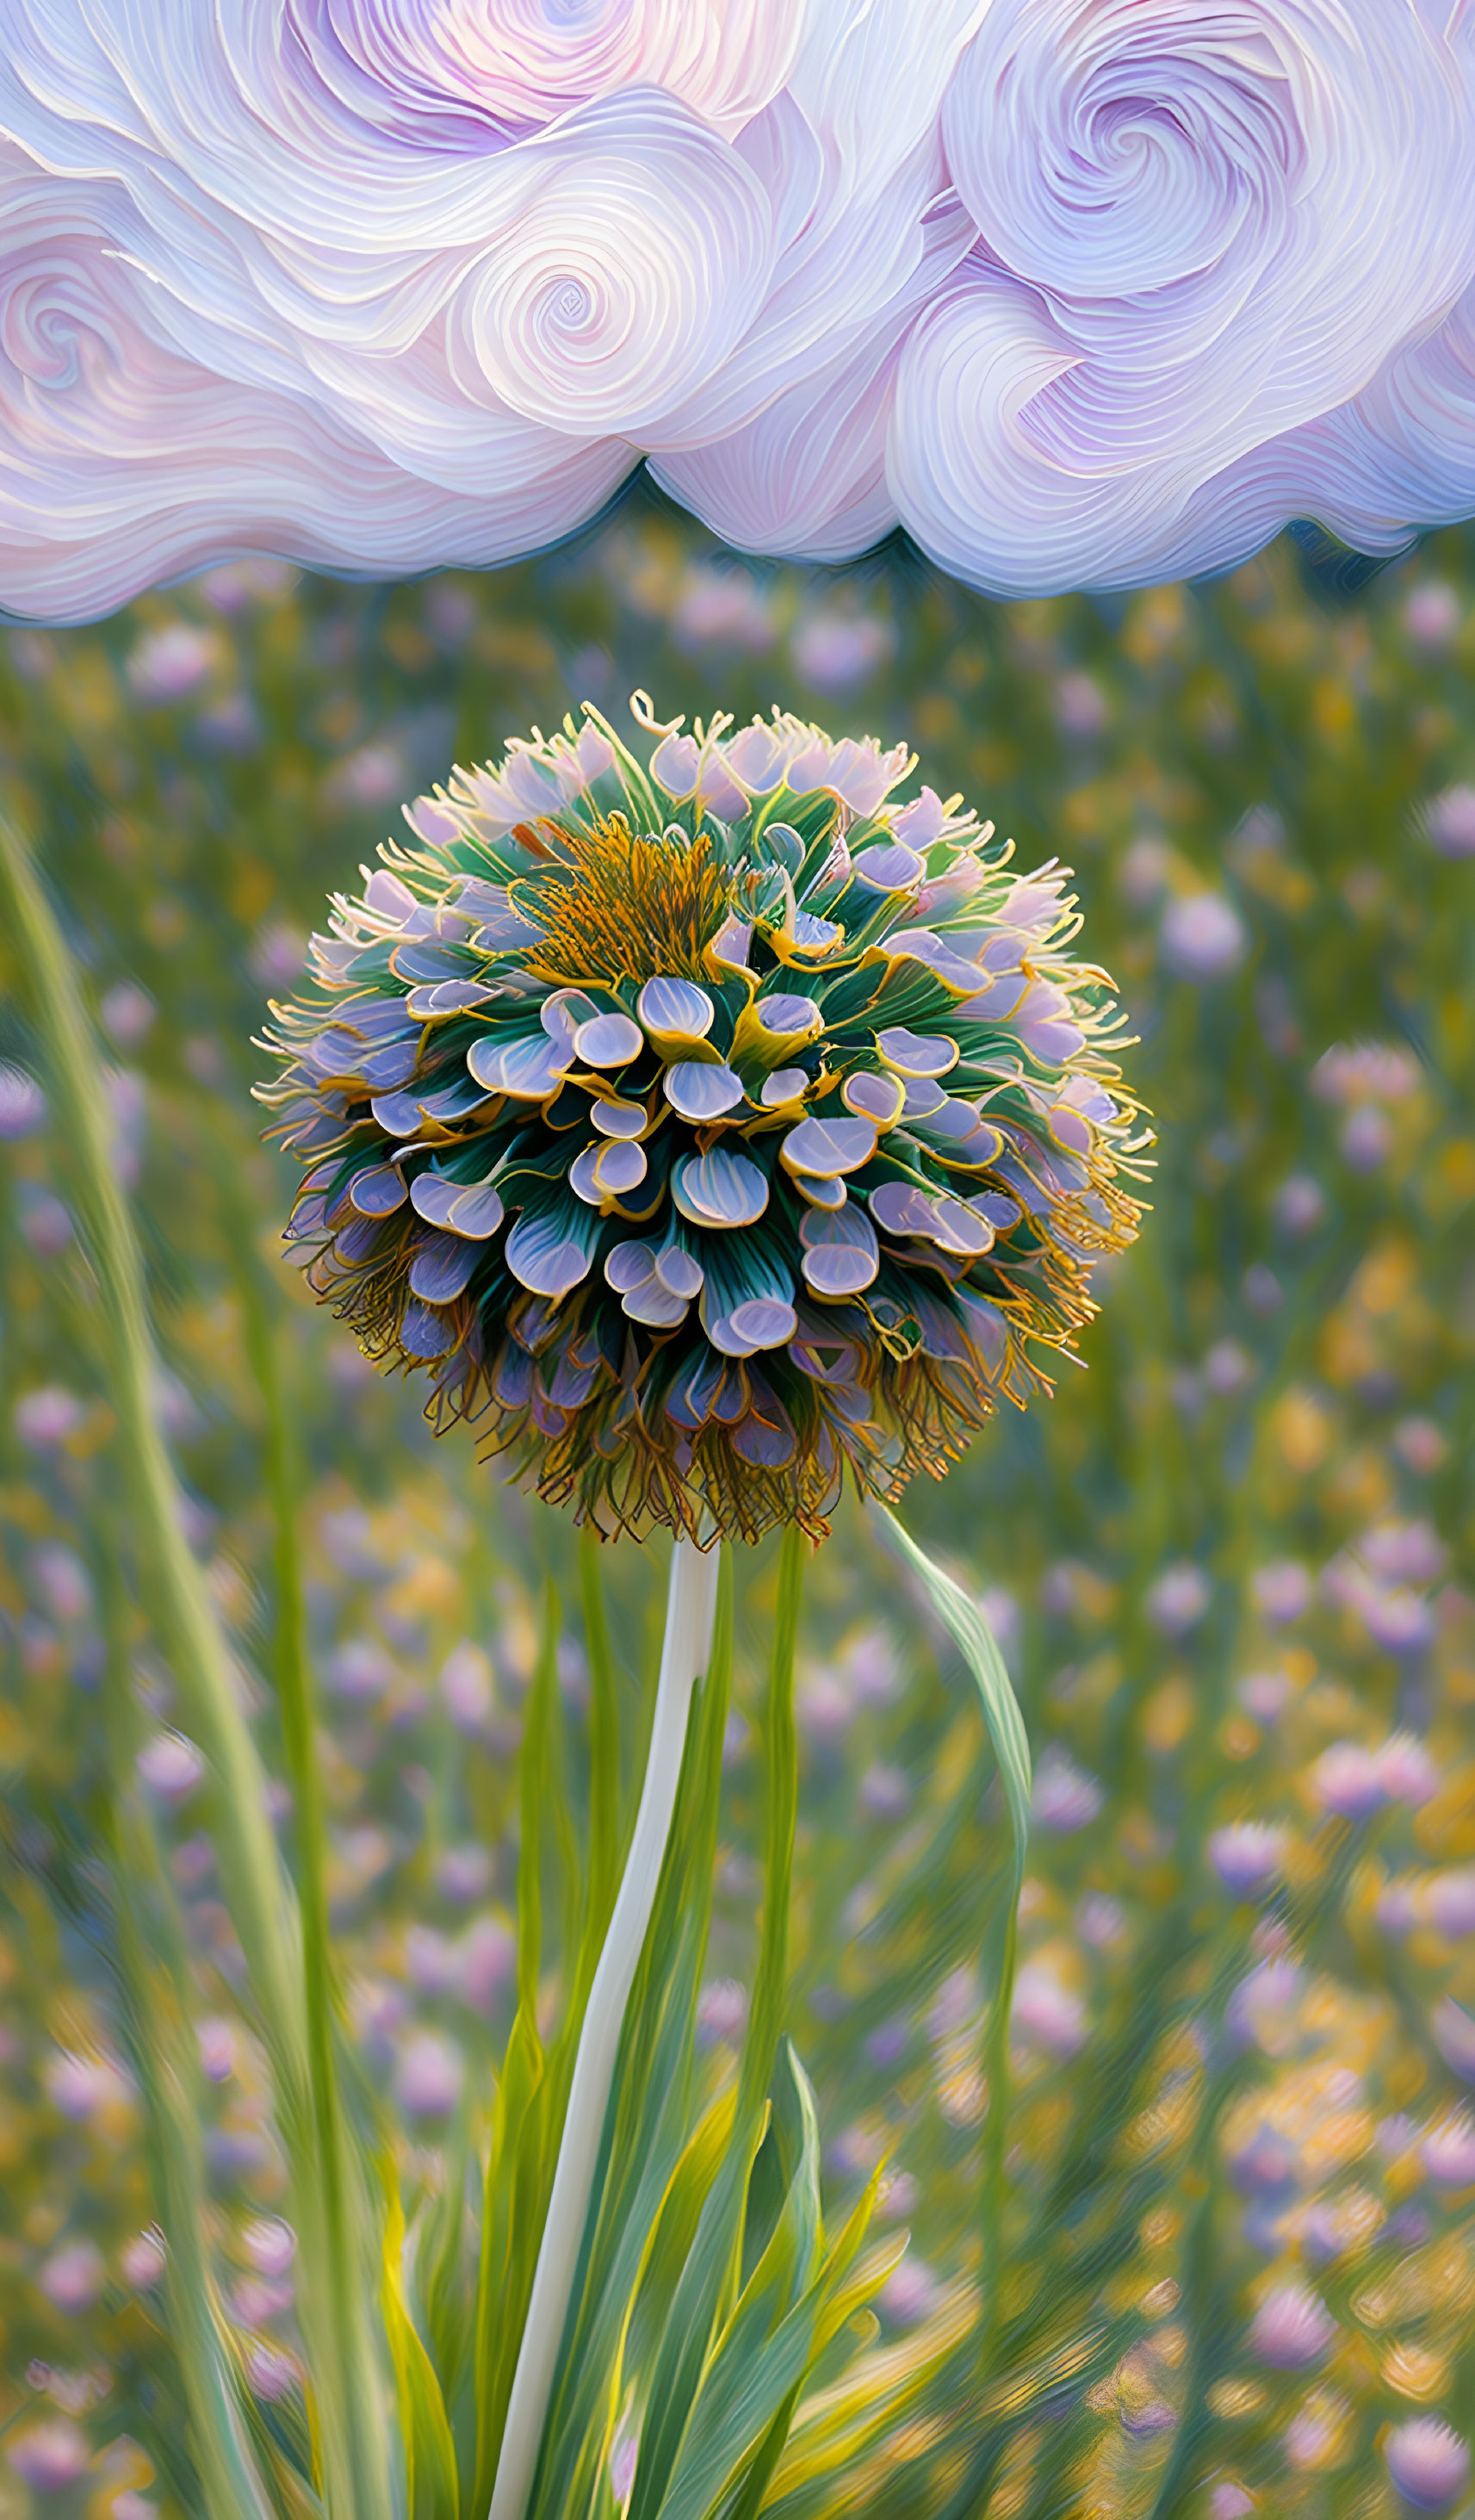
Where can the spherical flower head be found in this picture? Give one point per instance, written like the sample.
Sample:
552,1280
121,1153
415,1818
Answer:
269,2245
1180,1599
144,2262
708,1125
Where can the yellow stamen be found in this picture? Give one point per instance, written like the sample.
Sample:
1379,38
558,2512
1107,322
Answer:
622,905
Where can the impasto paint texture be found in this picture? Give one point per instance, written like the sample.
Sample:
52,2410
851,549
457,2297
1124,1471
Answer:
1081,293
1195,2195
736,1292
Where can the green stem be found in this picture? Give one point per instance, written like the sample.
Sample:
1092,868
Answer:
604,1745
261,1907
154,1972
344,2331
690,1613
781,1767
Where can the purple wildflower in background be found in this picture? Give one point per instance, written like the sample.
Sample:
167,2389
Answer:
1203,937
1291,2328
1248,1855
1428,2462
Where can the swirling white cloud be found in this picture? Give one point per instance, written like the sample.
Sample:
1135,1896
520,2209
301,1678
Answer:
1082,292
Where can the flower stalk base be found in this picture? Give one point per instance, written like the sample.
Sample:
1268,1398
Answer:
690,1610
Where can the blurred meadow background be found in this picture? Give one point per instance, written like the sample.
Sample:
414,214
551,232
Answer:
1229,1564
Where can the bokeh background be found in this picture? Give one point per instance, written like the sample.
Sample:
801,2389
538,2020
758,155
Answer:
1229,1564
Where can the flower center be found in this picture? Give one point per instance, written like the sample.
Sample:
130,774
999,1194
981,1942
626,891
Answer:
620,905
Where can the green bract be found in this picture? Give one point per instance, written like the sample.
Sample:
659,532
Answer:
707,1124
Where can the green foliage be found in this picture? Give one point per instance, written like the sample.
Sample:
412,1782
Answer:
154,1968
424,2428
348,2451
531,2092
723,2349
975,1639
709,2291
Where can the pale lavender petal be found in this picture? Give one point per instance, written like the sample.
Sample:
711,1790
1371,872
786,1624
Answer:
703,1091
378,1191
674,765
812,935
433,1196
448,997
426,1332
827,1147
581,1177
679,1271
619,1168
441,1268
656,1305
817,1192
476,1213
608,1040
543,1259
874,1097
676,1009
399,1115
787,1015
841,1254
629,1265
759,1321
916,1053
530,1068
890,869
900,1207
720,1188
957,1228
922,1097
619,1119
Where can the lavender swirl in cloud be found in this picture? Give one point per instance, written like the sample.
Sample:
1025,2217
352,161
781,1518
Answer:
1082,292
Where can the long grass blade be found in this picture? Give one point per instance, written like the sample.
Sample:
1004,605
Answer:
649,2150
429,2453
781,1768
710,2277
150,1951
342,2331
262,1908
604,1752
975,1641
691,1611
513,2192
258,1898
792,2305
